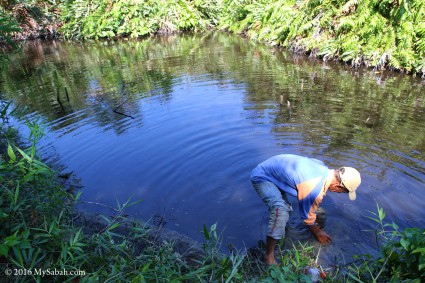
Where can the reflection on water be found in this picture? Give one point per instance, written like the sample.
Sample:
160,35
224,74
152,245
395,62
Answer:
181,121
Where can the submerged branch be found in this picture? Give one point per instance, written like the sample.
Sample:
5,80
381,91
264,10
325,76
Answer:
121,113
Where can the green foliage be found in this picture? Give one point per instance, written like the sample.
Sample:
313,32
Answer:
376,33
370,32
8,25
406,255
31,209
402,255
106,19
293,265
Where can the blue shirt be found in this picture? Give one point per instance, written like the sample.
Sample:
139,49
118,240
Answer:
298,176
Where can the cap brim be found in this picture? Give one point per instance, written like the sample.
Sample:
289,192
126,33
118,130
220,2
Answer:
352,195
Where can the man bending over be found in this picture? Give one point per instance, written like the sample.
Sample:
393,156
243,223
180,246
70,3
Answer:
307,179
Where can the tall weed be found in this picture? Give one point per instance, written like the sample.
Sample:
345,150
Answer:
402,254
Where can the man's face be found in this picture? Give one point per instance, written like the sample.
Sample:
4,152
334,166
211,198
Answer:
338,188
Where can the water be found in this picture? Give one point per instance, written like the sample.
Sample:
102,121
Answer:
179,122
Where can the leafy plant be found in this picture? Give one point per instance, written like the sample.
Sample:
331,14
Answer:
372,33
106,19
8,25
402,255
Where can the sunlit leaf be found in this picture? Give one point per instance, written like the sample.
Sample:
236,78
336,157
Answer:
11,153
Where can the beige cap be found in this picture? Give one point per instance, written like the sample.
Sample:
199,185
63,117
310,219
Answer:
350,178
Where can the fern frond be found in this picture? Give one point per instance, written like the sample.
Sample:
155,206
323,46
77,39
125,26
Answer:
405,35
377,24
350,48
363,15
406,58
393,62
420,46
419,67
329,50
345,25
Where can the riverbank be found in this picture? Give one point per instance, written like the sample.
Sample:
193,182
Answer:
374,34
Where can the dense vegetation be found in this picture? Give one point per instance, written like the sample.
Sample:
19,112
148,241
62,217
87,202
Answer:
378,33
374,33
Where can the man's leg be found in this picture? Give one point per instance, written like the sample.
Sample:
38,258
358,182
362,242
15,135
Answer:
279,214
270,246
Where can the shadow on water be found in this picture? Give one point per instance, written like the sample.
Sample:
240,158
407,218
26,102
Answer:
181,121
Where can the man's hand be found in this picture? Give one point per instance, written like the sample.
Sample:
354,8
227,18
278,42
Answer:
320,235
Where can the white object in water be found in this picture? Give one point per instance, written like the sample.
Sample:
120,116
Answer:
314,273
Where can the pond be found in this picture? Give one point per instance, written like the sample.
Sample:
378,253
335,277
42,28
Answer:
179,122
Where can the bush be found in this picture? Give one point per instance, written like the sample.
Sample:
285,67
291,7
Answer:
402,255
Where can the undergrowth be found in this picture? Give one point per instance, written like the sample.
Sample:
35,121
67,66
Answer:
374,33
383,34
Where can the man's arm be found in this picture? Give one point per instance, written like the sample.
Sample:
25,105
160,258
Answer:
320,235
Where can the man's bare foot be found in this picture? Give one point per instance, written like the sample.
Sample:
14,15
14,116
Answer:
269,260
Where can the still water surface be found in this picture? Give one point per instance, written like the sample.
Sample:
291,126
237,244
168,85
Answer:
179,122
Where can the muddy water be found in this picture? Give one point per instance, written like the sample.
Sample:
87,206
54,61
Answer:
180,122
